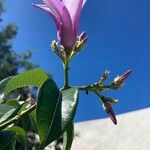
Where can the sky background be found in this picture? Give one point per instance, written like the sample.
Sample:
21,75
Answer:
119,39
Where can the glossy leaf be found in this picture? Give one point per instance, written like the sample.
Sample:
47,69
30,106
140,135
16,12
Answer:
4,108
68,136
48,111
13,103
23,108
2,86
55,111
34,77
7,115
9,112
69,105
6,137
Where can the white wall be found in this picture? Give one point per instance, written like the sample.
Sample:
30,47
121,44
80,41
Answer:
131,133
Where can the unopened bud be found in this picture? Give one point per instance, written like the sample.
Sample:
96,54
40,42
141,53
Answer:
108,109
109,100
62,53
54,46
123,77
82,36
80,44
104,76
82,40
118,81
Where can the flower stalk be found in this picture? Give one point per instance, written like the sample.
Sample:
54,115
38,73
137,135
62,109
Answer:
66,74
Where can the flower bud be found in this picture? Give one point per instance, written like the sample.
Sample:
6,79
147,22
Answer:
54,46
109,100
118,81
124,76
82,36
108,109
81,42
62,53
104,76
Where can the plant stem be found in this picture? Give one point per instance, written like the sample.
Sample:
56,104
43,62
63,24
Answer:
85,88
66,76
17,117
90,88
99,95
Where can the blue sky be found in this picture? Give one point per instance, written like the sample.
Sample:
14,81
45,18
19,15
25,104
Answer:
119,39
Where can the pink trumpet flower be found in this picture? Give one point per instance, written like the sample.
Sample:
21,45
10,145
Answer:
66,14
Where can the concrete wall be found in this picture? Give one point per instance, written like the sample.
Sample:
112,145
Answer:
131,133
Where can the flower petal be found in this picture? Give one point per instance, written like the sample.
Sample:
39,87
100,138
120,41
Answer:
84,1
56,18
74,7
65,32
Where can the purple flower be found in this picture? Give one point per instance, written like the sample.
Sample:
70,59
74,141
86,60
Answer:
66,14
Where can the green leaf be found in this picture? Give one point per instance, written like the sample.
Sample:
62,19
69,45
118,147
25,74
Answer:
23,108
69,105
20,134
7,112
55,110
2,86
6,137
7,115
32,116
4,108
13,103
48,112
34,77
68,136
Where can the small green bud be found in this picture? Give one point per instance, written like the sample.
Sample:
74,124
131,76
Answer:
104,76
54,46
